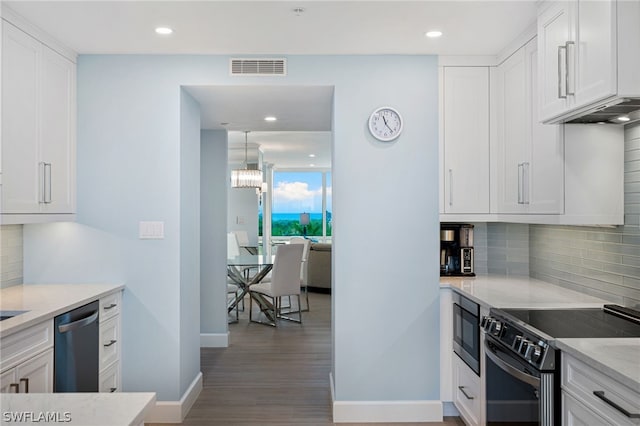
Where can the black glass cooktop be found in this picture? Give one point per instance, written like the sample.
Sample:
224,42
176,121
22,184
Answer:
567,323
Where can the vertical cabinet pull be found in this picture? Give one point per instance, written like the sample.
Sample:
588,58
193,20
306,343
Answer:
520,183
42,185
15,387
26,385
525,183
47,194
560,79
450,187
570,89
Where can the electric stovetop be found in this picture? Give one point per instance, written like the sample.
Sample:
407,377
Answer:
582,322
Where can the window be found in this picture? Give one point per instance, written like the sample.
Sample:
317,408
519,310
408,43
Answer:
295,193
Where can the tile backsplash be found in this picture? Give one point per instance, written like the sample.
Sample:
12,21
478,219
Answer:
10,255
501,248
600,261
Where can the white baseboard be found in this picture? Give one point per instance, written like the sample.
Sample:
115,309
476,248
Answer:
214,340
384,411
176,411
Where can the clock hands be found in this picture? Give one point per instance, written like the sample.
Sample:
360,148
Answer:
386,124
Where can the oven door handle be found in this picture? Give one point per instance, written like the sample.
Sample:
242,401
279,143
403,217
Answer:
522,376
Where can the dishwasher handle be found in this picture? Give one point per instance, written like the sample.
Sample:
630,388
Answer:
63,328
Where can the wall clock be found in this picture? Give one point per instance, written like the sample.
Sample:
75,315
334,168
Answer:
385,124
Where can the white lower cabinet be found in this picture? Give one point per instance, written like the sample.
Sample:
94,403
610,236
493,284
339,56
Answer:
467,392
592,398
34,375
110,326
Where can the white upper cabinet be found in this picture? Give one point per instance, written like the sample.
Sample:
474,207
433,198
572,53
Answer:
465,140
588,56
38,132
530,155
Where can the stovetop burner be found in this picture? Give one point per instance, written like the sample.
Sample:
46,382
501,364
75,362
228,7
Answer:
583,322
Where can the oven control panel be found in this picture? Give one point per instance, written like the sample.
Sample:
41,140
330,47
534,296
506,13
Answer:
523,344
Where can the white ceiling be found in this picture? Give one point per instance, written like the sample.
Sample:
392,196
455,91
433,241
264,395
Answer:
474,27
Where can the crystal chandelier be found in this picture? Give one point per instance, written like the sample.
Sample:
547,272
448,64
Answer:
246,178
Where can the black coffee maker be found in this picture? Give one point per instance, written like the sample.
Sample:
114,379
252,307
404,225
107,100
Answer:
456,249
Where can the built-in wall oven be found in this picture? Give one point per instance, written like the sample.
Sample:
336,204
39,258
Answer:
466,331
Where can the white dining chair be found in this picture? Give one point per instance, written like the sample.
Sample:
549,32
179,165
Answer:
303,268
285,281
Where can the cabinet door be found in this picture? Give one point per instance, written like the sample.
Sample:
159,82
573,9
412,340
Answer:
7,379
594,52
36,374
513,137
467,397
554,31
21,183
544,169
466,139
57,136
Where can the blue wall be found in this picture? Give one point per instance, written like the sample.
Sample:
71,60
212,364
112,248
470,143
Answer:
385,300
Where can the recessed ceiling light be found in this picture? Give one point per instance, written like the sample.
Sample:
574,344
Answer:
312,165
623,118
270,118
434,34
312,155
164,30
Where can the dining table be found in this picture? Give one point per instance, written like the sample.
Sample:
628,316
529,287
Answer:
245,270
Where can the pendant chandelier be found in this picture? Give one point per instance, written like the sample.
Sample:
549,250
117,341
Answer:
246,178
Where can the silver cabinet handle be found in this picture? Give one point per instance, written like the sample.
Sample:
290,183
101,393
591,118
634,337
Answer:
464,393
560,48
600,394
525,183
47,194
450,187
111,306
569,75
26,384
15,386
43,185
106,345
520,183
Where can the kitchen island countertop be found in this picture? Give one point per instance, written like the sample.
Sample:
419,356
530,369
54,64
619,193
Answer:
45,301
82,409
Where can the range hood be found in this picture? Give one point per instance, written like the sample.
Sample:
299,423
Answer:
616,111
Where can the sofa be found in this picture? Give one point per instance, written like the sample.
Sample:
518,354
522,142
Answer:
319,268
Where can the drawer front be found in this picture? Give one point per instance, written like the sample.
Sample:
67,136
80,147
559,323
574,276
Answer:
110,306
110,379
25,344
109,342
581,381
575,413
466,388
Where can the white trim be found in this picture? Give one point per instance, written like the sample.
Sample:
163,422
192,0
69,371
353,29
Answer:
24,25
386,411
214,340
176,411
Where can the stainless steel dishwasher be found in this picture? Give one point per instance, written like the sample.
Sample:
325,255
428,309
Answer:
76,350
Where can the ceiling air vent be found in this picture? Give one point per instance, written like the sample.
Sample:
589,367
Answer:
258,66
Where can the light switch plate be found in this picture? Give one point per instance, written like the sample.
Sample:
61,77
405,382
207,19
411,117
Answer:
151,230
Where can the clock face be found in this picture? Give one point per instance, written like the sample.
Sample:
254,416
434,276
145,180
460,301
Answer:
385,124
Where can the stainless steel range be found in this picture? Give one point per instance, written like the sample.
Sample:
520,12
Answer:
522,365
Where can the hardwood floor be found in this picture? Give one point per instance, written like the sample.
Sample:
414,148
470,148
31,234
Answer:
270,376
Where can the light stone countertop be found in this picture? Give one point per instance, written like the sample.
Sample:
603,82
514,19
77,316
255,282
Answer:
618,358
500,291
45,301
81,409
